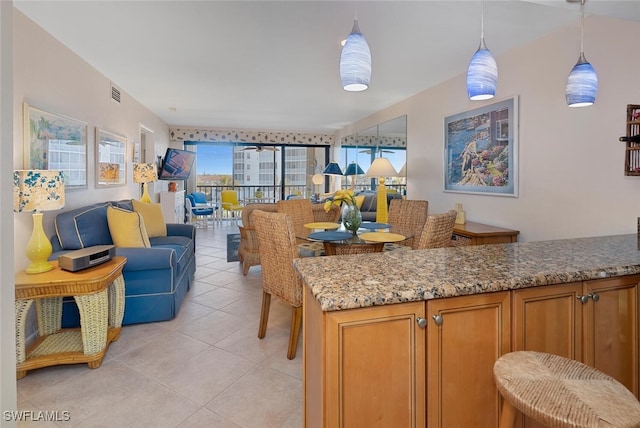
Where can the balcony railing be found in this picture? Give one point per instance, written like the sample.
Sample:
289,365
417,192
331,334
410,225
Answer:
270,194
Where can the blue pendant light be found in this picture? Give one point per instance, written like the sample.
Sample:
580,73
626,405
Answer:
482,74
332,169
582,84
355,61
353,169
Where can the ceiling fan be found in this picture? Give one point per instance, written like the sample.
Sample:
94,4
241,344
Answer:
262,148
368,151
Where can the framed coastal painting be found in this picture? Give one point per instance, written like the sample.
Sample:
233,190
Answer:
56,142
481,150
111,159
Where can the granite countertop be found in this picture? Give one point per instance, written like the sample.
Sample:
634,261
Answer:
346,282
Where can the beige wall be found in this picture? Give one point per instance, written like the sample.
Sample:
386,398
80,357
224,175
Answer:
7,308
571,165
51,77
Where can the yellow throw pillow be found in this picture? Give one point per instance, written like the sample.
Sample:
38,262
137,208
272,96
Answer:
359,201
153,218
127,228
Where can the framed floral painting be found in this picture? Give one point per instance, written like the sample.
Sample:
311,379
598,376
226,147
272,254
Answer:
56,142
481,150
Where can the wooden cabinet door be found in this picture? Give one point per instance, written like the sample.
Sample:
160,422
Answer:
611,328
375,367
547,319
471,333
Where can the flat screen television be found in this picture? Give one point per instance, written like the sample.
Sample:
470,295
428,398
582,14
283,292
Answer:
177,164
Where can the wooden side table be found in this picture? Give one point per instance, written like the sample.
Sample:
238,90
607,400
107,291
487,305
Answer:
99,294
472,233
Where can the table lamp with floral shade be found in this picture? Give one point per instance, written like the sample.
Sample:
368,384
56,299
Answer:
36,191
381,168
144,173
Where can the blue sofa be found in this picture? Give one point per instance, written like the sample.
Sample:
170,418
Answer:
156,279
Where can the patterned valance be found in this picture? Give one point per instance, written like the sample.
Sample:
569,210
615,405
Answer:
373,141
251,137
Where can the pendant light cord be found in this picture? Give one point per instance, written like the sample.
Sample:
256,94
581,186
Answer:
482,20
582,27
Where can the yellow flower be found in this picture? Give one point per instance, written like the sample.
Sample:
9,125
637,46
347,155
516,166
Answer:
342,195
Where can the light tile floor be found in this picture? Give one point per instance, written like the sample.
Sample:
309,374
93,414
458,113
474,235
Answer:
205,368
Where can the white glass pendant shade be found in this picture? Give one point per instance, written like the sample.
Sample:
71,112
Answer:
355,61
582,84
482,74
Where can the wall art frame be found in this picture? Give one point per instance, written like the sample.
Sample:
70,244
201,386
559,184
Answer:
111,159
481,150
56,142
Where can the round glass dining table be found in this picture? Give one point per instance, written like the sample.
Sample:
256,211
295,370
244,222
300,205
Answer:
370,238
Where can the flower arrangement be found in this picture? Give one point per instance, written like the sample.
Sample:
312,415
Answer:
351,216
341,196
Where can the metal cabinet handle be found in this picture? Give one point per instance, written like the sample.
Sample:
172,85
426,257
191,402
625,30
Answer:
584,299
437,319
422,322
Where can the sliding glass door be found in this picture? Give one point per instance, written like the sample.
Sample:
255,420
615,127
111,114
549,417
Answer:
259,173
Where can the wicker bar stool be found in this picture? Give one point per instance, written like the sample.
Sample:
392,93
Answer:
560,392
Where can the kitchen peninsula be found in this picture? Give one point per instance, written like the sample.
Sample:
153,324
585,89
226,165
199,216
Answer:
409,338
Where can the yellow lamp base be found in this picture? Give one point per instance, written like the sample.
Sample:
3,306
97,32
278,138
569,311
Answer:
145,194
382,214
38,248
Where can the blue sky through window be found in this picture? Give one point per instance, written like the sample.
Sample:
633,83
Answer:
214,159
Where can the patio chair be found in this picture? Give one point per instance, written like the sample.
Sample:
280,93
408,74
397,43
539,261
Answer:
230,203
200,200
200,214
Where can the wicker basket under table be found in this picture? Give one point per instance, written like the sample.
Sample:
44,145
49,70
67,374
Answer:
99,294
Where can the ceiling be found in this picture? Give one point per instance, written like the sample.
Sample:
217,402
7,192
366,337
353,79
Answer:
267,65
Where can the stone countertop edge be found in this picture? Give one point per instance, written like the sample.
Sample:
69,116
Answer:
358,281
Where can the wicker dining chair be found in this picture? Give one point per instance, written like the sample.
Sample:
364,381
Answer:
248,253
409,215
277,244
301,213
437,231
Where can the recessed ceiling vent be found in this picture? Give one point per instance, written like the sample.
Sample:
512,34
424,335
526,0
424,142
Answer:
115,94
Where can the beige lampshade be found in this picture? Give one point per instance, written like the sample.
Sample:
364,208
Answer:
38,190
317,179
144,173
381,167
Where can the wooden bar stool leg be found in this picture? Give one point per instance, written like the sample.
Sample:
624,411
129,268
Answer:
508,415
